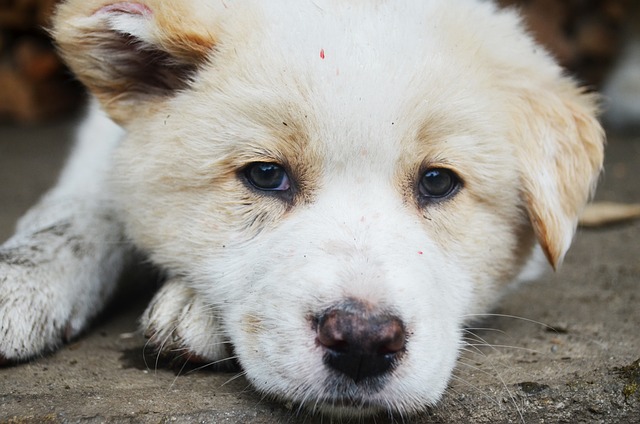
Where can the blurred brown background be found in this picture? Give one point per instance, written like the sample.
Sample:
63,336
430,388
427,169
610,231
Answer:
585,36
34,85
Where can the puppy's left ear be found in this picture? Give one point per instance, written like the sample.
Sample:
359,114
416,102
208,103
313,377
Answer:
131,54
560,145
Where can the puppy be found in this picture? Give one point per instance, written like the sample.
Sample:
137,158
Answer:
332,188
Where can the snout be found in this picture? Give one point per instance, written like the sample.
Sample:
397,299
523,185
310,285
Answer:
359,340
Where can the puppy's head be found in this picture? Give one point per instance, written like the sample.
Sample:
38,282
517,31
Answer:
345,183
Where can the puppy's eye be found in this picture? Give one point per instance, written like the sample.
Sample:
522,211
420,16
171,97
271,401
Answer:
438,183
267,176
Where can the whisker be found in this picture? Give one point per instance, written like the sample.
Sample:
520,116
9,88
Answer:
212,363
495,347
476,389
515,317
487,329
184,364
235,377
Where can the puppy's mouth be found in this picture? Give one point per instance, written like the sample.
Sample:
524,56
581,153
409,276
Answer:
349,407
338,395
350,400
338,387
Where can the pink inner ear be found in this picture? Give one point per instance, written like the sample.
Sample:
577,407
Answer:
126,7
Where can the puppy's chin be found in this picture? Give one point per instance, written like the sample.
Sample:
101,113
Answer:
367,400
344,408
347,406
342,397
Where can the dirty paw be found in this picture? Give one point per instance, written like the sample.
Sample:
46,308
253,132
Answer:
182,327
33,317
52,283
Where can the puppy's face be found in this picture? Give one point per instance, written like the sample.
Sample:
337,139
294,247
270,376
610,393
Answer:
344,184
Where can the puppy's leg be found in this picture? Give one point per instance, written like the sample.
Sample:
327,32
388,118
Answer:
61,265
179,324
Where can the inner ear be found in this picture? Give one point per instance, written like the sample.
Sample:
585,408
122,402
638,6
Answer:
128,53
142,69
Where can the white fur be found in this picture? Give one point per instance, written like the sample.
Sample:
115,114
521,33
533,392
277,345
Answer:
61,266
356,98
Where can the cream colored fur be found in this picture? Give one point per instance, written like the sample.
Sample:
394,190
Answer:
356,99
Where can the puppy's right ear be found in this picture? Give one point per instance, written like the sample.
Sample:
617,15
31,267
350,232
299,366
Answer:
132,52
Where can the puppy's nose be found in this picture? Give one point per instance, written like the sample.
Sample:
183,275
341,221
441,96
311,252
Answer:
359,342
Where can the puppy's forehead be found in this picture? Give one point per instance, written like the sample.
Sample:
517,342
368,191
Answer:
354,78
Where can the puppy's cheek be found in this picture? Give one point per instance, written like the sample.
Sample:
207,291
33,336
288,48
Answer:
214,215
278,354
488,241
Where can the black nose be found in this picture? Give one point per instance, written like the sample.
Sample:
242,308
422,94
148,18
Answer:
359,341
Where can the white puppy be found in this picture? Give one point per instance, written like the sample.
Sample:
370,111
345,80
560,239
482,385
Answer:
334,188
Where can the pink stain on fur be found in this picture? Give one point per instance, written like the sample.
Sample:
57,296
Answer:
126,7
321,53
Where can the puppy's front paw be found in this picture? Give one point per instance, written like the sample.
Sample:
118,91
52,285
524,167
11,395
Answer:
178,324
52,282
35,314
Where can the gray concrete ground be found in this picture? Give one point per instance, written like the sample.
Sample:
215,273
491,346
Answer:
564,349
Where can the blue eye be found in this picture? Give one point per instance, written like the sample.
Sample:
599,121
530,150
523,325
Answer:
438,183
267,176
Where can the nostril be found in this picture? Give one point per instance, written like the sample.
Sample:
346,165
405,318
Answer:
392,336
330,331
360,342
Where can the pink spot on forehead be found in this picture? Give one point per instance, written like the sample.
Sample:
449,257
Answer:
420,252
131,8
321,53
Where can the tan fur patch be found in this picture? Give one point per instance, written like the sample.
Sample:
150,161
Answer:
122,69
560,163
